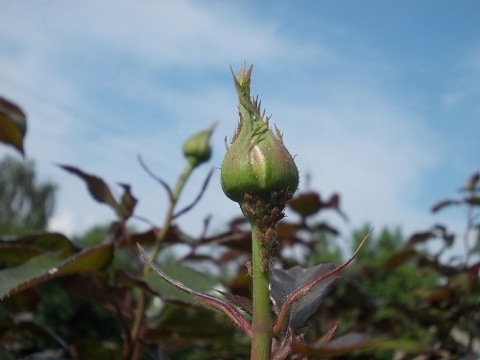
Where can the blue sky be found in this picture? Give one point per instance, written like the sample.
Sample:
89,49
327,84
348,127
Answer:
379,100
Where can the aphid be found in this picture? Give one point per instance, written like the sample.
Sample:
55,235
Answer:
248,198
269,234
276,214
265,262
260,204
248,264
247,209
266,220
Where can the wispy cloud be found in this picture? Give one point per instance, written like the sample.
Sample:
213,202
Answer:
104,81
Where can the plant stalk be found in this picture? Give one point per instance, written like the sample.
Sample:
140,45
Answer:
141,302
262,318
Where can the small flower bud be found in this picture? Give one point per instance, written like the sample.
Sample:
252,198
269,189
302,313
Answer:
197,148
257,163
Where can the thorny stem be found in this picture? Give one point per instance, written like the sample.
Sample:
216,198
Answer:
262,318
162,234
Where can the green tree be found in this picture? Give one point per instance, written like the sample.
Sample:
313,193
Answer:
25,205
393,285
379,297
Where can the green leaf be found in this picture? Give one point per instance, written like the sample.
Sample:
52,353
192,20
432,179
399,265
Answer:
15,250
179,319
48,266
187,276
205,299
13,125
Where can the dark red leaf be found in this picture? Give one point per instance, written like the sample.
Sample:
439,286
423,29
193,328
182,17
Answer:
333,202
303,294
306,204
241,302
96,186
127,202
287,230
474,200
420,237
325,227
13,124
340,346
285,283
145,238
400,258
472,182
444,203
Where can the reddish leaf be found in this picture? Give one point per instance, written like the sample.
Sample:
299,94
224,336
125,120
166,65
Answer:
241,302
333,202
473,200
306,204
420,237
13,124
327,337
303,291
96,186
127,202
444,203
472,182
285,283
287,230
339,346
325,227
281,347
198,198
236,240
400,258
145,238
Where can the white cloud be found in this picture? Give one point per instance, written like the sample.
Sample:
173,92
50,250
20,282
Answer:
362,146
63,58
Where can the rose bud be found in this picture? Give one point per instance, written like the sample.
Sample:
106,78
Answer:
197,148
257,168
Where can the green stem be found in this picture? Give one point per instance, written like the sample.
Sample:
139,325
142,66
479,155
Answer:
141,302
262,319
168,219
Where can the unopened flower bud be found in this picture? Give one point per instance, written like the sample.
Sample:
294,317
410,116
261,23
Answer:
257,164
197,148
